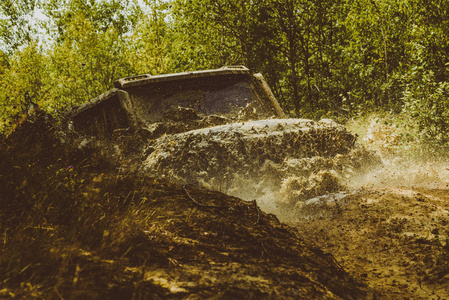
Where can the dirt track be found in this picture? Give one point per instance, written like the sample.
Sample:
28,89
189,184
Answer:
395,240
75,225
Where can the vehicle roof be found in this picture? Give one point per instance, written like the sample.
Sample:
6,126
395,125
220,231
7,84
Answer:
144,79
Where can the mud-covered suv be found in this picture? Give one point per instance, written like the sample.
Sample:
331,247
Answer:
225,130
197,99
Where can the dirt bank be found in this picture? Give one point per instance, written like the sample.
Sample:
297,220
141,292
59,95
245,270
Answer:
76,223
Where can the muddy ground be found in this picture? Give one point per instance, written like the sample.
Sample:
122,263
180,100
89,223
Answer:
78,223
393,239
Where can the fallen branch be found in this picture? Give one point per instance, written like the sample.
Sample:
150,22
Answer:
258,212
201,204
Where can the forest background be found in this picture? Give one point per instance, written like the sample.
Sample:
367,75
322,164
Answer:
338,59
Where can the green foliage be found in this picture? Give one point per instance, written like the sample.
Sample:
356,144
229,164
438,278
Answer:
22,83
15,26
102,14
88,55
85,64
151,42
427,102
203,37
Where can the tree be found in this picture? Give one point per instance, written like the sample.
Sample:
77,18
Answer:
204,37
16,28
86,63
22,83
378,46
152,41
102,14
426,80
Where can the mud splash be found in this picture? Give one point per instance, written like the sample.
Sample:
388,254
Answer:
278,162
399,170
405,172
